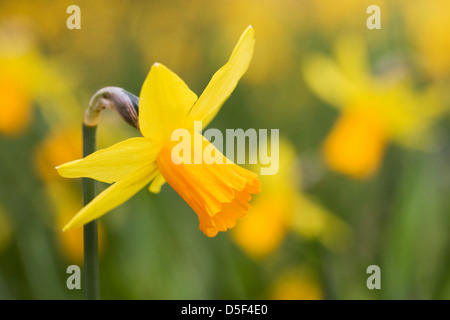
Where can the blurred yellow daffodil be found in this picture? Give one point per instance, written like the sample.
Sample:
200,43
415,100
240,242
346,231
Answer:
15,105
374,109
281,208
28,78
218,193
20,68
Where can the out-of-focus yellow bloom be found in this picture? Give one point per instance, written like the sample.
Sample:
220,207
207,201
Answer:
356,143
374,109
18,64
263,230
61,145
218,193
296,284
5,230
15,105
429,31
27,77
281,208
265,227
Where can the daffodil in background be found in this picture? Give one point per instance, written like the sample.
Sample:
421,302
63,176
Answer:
29,79
282,208
20,65
375,109
218,193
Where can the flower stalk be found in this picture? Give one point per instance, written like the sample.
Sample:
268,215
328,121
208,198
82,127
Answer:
127,105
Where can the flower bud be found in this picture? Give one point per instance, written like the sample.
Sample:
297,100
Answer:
125,103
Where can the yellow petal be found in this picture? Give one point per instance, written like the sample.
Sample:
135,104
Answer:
218,193
157,183
114,163
15,105
224,80
114,196
351,56
164,103
262,231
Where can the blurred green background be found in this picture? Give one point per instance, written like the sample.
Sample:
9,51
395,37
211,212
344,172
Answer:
364,148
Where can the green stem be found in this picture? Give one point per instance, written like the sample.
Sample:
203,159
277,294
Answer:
127,106
91,273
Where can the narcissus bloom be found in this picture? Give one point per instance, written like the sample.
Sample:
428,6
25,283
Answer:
376,109
218,193
20,78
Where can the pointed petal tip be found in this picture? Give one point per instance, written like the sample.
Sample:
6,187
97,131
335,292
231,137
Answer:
251,29
61,170
154,190
60,166
69,226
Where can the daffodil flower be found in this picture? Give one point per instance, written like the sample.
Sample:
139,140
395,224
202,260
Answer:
218,193
375,109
